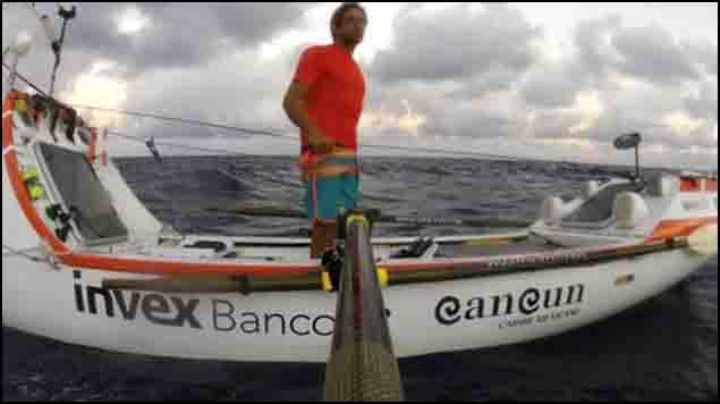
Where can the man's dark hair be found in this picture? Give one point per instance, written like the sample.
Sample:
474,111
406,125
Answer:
339,13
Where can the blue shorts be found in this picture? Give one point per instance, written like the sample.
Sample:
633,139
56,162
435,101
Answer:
328,197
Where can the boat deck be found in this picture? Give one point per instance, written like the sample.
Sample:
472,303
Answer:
470,249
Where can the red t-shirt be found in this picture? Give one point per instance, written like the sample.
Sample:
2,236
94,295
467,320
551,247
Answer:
337,89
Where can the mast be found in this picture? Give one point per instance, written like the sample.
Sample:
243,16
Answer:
66,15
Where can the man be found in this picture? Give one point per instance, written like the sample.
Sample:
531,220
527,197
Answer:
325,101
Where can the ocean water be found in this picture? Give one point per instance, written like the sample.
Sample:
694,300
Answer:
662,349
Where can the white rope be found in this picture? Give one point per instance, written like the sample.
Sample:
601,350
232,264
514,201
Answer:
24,253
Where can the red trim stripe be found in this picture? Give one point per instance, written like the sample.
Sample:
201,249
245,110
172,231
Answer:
695,184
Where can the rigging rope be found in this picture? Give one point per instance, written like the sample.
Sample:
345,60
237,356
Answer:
264,132
185,120
23,253
252,131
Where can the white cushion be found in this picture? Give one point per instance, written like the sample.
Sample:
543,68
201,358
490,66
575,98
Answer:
589,189
552,210
629,210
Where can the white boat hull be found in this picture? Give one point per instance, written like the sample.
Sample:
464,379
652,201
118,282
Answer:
66,301
297,326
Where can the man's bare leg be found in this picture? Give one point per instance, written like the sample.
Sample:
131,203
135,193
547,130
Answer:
323,236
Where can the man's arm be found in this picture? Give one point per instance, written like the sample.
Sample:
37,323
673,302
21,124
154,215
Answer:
296,109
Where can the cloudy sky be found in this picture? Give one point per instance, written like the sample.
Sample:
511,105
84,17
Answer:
532,80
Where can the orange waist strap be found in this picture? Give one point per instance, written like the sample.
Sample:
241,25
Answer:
340,162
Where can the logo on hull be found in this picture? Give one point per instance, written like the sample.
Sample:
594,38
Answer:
450,310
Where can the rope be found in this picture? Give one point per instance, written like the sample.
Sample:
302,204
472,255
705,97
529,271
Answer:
188,121
251,131
23,253
177,145
28,82
269,133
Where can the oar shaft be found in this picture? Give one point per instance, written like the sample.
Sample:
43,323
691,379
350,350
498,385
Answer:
362,365
440,221
423,221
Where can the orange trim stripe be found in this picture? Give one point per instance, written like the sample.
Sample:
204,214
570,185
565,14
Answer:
13,172
678,227
136,265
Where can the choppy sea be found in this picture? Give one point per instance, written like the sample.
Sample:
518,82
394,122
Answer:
663,349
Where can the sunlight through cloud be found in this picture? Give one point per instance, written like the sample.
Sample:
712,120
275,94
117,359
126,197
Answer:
132,21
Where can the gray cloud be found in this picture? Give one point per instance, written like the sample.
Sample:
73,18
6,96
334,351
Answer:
604,47
652,53
594,52
217,92
553,124
705,103
554,86
467,119
173,67
178,34
455,43
641,109
201,62
706,55
496,78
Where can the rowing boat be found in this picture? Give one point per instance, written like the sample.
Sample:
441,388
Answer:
85,262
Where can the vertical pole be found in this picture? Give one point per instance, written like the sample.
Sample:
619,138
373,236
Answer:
57,45
14,58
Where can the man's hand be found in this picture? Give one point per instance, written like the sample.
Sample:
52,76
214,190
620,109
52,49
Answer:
318,142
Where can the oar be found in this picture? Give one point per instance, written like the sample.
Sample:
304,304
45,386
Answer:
216,284
362,365
421,221
702,241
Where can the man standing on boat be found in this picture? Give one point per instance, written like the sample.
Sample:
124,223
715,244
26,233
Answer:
325,100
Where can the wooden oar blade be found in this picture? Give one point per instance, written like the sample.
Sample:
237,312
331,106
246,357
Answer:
704,241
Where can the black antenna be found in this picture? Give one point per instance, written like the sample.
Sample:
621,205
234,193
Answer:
150,143
66,15
628,141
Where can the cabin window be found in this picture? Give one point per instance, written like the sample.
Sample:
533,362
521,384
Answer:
599,207
82,194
